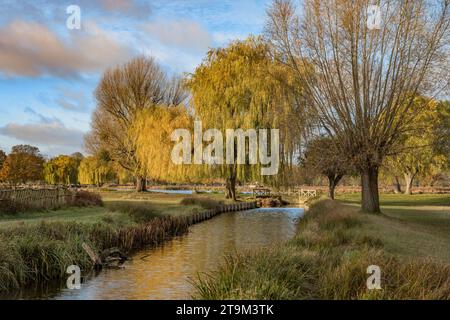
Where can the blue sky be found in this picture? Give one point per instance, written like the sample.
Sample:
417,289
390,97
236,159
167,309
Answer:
48,73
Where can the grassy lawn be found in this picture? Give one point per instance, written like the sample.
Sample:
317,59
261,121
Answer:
164,204
411,226
402,199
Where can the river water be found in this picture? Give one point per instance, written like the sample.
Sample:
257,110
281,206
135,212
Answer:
166,272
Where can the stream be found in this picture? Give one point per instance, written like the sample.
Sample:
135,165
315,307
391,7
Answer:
165,272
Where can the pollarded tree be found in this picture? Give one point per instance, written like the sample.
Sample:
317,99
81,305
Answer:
121,94
242,87
364,80
323,156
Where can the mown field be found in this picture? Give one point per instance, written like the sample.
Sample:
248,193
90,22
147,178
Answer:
335,244
411,225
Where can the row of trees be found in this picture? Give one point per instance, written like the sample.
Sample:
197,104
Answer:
25,164
424,151
244,86
322,74
238,87
360,82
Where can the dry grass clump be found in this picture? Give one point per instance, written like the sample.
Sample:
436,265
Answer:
140,212
82,198
41,252
205,203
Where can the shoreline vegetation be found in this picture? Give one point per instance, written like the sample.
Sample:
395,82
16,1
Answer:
39,246
334,246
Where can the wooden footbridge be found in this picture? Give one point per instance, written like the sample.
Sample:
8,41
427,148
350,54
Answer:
261,193
306,194
303,194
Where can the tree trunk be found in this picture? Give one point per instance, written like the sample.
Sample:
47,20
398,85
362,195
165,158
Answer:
333,180
369,182
409,178
141,184
231,188
397,186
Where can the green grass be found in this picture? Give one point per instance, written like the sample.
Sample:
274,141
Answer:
38,246
164,204
411,226
401,199
335,244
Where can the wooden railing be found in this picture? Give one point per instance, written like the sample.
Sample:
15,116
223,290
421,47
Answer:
261,193
308,193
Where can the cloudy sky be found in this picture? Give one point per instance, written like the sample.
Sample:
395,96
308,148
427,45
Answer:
48,73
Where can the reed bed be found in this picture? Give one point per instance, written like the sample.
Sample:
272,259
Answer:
327,259
42,252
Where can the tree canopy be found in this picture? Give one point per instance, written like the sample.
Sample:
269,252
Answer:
24,164
242,87
62,170
363,82
123,92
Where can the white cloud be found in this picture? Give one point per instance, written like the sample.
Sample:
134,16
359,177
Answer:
44,133
31,49
184,34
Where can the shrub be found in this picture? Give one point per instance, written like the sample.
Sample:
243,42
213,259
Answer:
86,199
42,252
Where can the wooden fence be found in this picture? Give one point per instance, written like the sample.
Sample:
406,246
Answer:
37,198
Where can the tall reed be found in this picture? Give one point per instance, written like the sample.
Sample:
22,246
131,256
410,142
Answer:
327,259
42,252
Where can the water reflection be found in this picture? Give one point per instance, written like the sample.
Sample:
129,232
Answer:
164,272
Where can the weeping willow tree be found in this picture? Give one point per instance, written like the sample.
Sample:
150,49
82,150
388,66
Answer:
62,170
94,170
242,87
424,147
152,138
122,92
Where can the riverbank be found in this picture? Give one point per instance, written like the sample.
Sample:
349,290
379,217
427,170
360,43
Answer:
329,256
39,246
